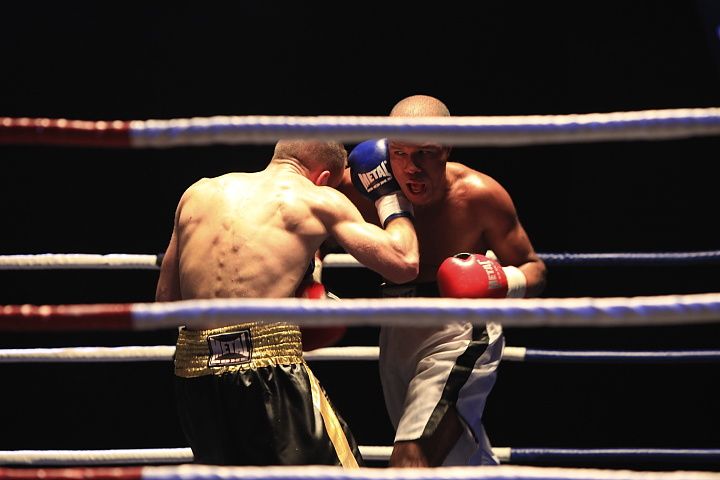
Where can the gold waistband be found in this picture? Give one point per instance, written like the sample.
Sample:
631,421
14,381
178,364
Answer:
236,347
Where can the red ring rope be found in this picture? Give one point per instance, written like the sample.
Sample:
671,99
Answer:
94,473
22,318
49,131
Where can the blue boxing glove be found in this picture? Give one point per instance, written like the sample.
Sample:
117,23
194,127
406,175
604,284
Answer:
372,176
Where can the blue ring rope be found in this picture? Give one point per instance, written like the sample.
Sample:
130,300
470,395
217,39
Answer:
624,357
634,259
564,454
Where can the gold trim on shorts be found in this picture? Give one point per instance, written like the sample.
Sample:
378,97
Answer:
236,347
332,424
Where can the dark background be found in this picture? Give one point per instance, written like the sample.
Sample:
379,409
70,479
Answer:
95,61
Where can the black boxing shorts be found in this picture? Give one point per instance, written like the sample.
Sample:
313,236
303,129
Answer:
245,396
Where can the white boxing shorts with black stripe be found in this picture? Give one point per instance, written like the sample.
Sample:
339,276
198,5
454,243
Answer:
246,397
425,371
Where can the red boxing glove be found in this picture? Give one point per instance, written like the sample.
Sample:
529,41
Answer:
318,337
471,275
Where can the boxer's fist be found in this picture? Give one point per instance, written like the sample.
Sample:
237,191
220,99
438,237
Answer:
370,169
321,337
318,337
310,289
471,275
372,176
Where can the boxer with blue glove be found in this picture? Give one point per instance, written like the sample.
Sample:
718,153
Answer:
436,380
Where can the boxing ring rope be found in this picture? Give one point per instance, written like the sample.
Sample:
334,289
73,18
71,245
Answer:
164,353
369,453
463,130
145,456
60,261
138,456
208,472
78,312
470,131
415,312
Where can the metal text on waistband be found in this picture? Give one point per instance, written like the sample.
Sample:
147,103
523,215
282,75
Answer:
234,348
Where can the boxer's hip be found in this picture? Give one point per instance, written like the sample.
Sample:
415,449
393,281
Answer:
239,347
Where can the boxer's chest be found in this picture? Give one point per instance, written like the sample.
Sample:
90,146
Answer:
444,233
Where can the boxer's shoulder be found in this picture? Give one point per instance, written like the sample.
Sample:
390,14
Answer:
471,186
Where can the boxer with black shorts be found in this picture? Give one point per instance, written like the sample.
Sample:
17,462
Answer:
245,395
436,380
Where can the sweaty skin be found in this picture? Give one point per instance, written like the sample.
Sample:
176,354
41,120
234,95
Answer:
473,213
252,235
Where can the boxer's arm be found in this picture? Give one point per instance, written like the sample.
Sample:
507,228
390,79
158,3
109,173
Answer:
392,252
429,451
507,238
513,247
362,203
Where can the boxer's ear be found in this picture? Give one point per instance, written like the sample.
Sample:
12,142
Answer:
323,179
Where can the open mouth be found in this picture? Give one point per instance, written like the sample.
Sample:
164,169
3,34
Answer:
416,188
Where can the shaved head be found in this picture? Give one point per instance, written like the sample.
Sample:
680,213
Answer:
420,106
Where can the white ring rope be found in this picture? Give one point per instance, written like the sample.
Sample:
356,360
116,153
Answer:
97,457
157,353
465,130
417,312
164,353
47,261
152,456
462,130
